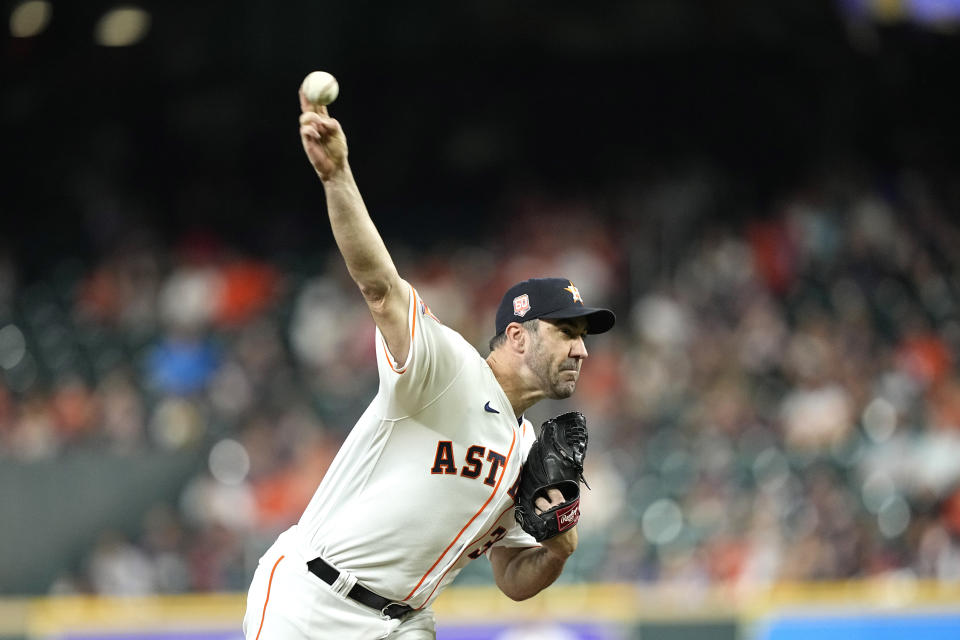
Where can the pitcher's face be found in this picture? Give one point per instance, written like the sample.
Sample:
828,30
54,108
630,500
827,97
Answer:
556,355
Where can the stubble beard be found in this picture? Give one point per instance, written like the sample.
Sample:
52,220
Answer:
539,363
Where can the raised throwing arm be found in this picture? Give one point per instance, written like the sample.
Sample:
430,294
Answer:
363,250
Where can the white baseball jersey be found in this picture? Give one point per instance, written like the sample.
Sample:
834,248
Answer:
424,482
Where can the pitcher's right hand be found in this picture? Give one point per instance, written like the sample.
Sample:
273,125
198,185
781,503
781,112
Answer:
323,140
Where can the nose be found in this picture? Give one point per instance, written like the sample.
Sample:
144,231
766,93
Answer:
578,349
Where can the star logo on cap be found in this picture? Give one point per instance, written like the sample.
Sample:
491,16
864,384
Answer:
574,292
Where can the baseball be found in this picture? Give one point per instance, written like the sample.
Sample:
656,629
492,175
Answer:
320,88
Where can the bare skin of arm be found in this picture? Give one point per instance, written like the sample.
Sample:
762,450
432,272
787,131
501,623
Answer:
523,573
367,259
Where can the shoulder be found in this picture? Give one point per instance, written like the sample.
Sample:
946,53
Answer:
449,338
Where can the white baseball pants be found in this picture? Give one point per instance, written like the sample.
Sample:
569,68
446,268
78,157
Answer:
287,602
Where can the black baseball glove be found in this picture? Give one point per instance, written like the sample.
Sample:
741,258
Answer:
555,462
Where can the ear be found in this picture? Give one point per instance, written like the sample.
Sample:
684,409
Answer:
516,336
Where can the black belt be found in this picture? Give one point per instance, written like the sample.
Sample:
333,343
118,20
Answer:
387,608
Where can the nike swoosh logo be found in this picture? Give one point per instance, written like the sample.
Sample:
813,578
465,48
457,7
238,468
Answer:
487,407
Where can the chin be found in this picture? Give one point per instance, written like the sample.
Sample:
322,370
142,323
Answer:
561,393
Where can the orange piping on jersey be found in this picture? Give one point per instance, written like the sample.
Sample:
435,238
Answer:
413,327
481,537
469,522
390,357
461,553
454,563
269,586
427,311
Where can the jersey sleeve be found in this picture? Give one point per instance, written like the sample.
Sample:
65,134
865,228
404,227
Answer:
435,359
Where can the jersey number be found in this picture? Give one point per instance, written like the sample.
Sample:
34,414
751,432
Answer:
497,534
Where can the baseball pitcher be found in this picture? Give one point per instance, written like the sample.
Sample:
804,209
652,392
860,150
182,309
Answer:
430,477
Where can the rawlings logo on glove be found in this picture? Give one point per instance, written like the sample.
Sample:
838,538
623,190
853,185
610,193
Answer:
555,462
568,516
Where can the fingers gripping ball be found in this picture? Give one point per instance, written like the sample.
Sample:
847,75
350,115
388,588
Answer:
320,88
555,462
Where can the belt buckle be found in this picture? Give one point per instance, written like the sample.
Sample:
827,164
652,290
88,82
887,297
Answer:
385,613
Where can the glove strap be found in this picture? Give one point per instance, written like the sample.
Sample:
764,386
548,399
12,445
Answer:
568,516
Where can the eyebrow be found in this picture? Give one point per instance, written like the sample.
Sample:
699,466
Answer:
570,324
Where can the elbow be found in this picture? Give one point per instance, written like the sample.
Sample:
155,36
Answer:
377,290
377,287
374,292
518,595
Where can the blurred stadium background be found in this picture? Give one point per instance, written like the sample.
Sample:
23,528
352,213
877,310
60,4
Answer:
767,193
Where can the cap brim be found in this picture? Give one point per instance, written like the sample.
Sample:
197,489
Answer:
598,320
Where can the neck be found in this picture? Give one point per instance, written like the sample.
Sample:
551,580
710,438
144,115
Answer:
509,374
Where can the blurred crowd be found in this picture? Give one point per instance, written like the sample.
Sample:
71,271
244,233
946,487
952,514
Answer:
779,400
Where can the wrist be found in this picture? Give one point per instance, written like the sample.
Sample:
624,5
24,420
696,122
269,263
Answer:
562,546
338,178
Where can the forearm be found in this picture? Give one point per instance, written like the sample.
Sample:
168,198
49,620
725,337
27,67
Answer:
530,572
360,244
363,250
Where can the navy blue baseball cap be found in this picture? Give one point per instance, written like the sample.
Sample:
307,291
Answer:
549,298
